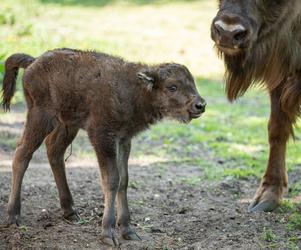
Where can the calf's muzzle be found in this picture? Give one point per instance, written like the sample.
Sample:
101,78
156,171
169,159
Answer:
198,107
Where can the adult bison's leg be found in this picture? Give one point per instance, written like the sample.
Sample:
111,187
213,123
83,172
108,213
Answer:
123,214
57,143
38,125
105,147
274,182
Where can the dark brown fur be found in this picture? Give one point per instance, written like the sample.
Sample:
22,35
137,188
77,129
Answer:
111,99
272,58
12,66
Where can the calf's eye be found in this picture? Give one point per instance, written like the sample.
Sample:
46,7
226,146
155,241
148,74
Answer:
172,88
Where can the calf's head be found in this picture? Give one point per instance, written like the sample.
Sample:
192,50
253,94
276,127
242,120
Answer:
239,24
173,91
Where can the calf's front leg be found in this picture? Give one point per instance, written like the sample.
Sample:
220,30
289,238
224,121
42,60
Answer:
123,214
106,151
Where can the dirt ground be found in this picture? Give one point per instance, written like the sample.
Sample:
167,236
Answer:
167,212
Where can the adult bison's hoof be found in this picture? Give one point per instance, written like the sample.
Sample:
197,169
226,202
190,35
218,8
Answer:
110,240
264,206
267,198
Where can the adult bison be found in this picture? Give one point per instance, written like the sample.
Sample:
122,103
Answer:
260,42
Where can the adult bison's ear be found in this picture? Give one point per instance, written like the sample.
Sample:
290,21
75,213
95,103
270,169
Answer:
148,77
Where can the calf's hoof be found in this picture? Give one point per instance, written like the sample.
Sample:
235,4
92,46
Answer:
110,240
267,198
13,220
127,233
131,236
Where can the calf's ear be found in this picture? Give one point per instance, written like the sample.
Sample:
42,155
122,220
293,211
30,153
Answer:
148,78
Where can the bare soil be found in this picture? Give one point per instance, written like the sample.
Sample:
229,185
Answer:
167,212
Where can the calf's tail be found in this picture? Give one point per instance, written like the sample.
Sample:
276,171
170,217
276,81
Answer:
12,65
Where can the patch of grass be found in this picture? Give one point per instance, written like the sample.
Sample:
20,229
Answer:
101,3
138,202
293,243
1,67
84,222
294,221
268,235
286,207
241,173
23,228
192,181
295,189
292,216
133,184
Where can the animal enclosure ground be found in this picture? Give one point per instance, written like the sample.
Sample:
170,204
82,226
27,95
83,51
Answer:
189,185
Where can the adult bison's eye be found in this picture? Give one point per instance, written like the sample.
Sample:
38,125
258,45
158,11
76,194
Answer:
172,88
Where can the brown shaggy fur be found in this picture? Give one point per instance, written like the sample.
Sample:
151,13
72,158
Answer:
272,58
111,99
13,64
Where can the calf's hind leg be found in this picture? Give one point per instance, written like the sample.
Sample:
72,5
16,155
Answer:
123,214
38,125
56,144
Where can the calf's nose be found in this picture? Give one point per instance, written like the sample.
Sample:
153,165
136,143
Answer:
229,32
200,106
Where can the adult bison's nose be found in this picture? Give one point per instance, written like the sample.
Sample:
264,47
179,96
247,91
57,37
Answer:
229,32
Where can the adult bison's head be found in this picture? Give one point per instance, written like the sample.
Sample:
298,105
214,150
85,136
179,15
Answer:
240,24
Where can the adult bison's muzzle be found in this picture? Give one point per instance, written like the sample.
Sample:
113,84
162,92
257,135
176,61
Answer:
231,32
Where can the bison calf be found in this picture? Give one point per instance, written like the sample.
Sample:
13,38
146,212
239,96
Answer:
111,99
